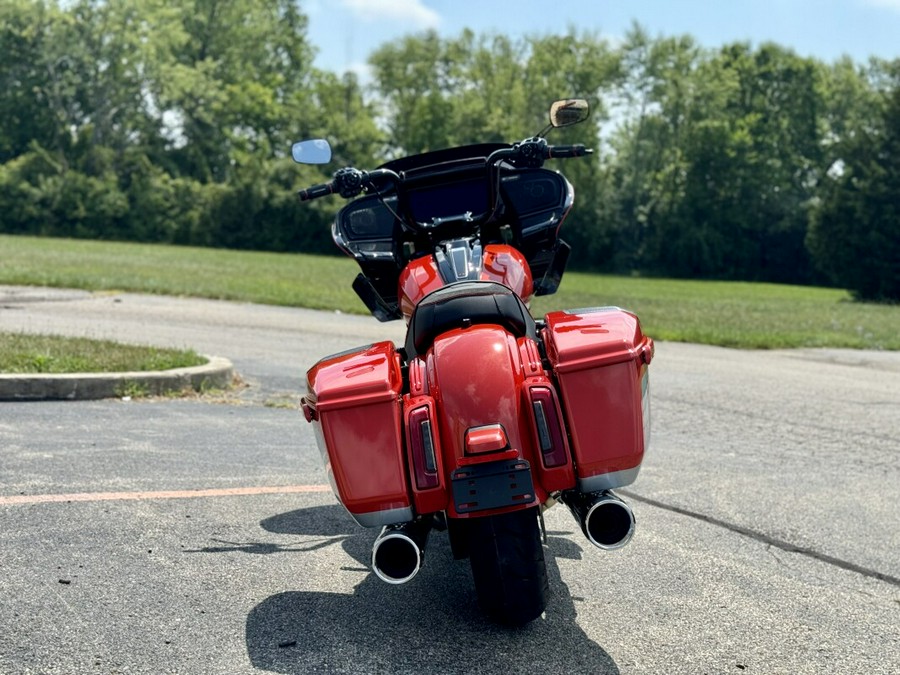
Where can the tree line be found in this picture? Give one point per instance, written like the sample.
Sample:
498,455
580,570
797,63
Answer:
170,122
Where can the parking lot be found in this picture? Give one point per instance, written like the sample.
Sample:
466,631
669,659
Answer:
197,536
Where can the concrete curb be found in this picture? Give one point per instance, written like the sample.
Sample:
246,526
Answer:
218,373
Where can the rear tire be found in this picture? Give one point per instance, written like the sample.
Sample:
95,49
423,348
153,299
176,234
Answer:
508,566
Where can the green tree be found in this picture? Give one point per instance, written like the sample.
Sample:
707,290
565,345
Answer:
139,118
718,160
854,232
153,120
582,65
439,93
27,32
751,170
655,105
233,79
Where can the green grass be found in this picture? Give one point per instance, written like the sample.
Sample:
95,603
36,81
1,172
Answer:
269,278
737,314
731,314
21,353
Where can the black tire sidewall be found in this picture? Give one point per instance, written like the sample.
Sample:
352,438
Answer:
508,566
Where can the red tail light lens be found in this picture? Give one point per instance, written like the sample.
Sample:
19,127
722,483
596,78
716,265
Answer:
548,428
489,438
422,446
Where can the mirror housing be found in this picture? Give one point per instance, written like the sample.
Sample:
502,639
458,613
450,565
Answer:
316,151
569,111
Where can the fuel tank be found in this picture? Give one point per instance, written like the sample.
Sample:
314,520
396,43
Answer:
464,260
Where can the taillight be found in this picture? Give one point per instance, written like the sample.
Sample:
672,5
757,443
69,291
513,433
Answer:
551,440
485,439
422,447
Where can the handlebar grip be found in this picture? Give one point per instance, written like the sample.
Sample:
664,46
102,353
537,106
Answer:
316,191
565,151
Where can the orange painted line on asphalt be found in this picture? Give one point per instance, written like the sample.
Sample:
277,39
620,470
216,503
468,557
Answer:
161,494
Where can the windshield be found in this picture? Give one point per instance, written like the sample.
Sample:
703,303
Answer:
477,152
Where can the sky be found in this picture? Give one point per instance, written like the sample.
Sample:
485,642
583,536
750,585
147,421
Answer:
345,32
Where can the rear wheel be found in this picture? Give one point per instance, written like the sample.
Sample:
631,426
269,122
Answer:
508,566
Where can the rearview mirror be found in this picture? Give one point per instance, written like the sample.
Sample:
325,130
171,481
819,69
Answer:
569,111
316,151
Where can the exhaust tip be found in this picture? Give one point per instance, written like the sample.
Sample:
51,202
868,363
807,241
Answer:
609,523
396,558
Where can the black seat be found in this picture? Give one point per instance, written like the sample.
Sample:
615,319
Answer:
464,304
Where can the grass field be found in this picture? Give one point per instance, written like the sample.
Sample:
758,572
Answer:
731,314
50,354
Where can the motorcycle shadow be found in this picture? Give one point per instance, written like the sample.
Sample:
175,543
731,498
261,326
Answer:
431,624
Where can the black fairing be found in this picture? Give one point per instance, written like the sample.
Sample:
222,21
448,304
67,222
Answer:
450,183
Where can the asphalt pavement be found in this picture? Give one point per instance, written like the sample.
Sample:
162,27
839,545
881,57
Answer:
197,536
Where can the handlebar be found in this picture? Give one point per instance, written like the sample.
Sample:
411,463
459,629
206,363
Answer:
566,151
316,191
532,152
348,183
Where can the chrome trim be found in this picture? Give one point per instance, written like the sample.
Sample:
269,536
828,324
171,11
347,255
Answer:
338,238
459,260
593,310
604,529
376,255
403,558
381,518
543,225
609,500
645,407
405,539
570,196
608,481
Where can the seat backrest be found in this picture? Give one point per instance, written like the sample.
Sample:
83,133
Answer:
464,304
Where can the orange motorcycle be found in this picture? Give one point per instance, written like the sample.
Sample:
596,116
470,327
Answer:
485,416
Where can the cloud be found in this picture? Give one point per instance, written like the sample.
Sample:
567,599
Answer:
893,5
412,12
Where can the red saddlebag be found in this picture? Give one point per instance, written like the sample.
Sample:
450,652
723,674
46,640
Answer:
600,358
353,400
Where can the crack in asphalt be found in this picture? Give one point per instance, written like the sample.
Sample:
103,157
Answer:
766,539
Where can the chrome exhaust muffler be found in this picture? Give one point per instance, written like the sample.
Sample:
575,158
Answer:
606,520
399,550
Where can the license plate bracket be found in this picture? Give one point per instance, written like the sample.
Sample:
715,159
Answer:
492,485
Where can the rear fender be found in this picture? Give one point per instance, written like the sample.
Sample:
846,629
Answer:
475,377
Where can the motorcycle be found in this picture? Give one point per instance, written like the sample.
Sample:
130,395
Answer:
486,415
